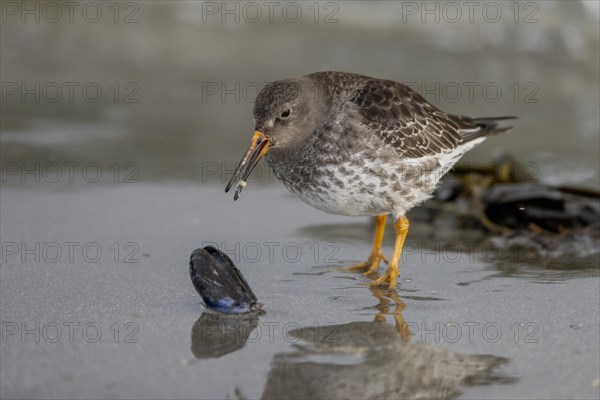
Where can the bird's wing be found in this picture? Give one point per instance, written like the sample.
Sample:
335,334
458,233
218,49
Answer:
404,120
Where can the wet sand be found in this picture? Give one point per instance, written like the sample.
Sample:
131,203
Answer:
458,325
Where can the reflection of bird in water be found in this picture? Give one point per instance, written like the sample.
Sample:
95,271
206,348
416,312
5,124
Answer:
355,145
373,360
384,309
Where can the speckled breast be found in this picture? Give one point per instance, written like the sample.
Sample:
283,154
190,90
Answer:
363,183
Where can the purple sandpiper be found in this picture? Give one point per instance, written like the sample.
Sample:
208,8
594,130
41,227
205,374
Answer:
355,145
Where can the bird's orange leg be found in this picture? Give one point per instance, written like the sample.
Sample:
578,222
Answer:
391,275
372,264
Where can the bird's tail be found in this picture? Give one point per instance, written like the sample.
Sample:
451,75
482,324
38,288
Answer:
473,128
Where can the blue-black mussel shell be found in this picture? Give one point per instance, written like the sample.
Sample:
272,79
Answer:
219,283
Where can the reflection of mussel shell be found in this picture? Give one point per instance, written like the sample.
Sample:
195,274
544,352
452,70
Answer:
219,282
369,360
215,334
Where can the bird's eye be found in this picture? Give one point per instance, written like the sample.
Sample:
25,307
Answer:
286,113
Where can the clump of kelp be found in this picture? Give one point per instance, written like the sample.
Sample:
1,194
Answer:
503,203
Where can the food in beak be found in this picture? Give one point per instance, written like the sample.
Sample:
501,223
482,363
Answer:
259,146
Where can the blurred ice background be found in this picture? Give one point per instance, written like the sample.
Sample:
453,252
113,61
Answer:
544,56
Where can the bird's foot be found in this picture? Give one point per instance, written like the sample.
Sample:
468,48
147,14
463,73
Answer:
368,267
390,278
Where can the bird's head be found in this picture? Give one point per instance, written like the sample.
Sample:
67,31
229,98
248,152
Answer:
286,112
289,110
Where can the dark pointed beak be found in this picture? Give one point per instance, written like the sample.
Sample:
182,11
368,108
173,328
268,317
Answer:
259,146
